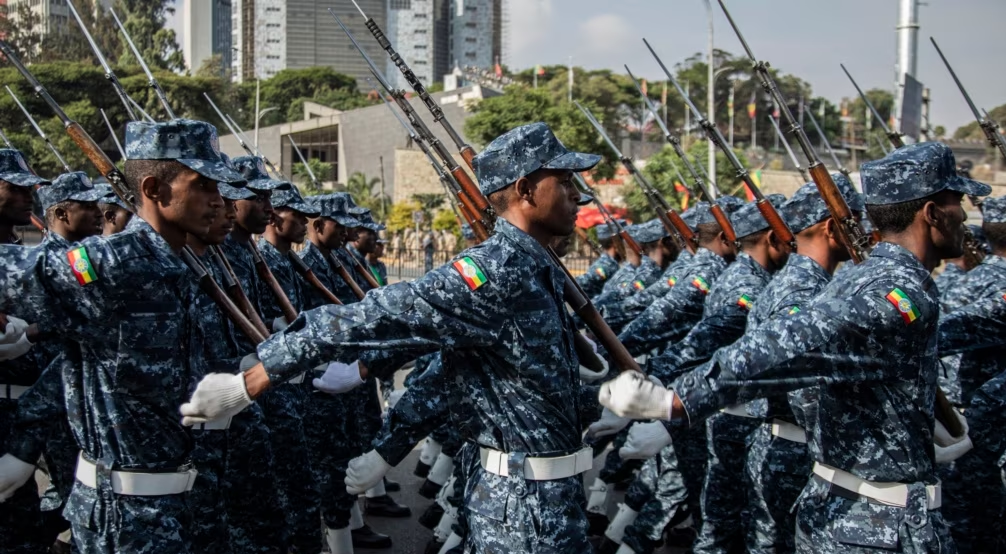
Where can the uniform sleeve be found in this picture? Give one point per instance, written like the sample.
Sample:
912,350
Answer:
979,325
422,409
667,320
591,281
712,333
439,311
37,409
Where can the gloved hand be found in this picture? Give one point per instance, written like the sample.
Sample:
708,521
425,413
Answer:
633,395
13,331
339,378
645,440
609,424
365,472
589,376
15,350
395,396
218,396
279,324
947,454
942,437
13,474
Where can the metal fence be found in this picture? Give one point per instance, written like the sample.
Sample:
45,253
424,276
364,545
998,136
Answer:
407,264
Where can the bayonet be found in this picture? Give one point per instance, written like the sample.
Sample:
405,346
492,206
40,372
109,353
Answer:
143,65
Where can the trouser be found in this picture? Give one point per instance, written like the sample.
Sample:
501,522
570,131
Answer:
777,469
724,492
830,522
208,532
329,445
60,461
21,529
254,524
659,496
615,468
107,523
294,480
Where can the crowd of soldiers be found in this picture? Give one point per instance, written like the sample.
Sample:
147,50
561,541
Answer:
786,403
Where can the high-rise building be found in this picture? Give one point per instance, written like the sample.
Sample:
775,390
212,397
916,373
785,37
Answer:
478,32
206,27
418,31
53,15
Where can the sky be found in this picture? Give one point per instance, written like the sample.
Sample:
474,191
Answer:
808,38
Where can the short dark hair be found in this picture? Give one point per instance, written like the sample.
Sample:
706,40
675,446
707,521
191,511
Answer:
996,234
135,171
707,232
895,218
748,241
606,243
50,213
500,200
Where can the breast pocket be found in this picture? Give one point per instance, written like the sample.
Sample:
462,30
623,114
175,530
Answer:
150,351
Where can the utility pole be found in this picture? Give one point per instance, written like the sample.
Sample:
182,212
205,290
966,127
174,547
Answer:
730,108
908,50
688,119
711,93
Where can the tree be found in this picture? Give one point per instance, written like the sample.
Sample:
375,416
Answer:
940,131
400,216
428,202
972,131
22,32
145,20
320,169
362,190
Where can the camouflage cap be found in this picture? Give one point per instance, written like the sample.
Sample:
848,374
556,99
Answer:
14,169
352,208
108,195
522,151
807,206
605,231
230,164
194,144
729,205
747,220
994,210
235,193
981,237
651,231
253,170
74,186
915,171
367,222
467,232
291,199
333,206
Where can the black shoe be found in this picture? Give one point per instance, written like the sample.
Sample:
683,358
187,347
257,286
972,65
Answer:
431,517
391,486
365,537
385,506
433,547
429,489
422,470
608,546
597,523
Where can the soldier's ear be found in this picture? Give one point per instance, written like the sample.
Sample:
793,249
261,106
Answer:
524,189
150,187
60,214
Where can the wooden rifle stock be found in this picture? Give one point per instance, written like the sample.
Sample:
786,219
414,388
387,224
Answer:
213,290
308,274
850,233
344,274
724,222
235,292
264,273
467,154
363,271
682,228
946,414
630,242
775,223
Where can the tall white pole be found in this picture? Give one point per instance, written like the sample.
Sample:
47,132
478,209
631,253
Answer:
711,92
733,87
257,96
570,78
908,50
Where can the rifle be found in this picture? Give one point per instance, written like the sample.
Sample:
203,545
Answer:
831,151
792,156
314,180
111,131
39,131
851,233
668,217
340,268
264,273
308,274
240,136
478,204
622,237
709,191
143,65
892,136
258,152
109,74
766,208
359,267
234,290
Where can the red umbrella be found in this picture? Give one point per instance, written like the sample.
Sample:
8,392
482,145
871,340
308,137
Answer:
590,216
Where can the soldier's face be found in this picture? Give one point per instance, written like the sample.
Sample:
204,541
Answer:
366,240
15,204
554,200
332,234
290,224
222,225
116,220
947,225
253,215
192,202
83,219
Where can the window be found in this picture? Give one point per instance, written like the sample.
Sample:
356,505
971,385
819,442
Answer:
420,31
419,16
401,5
420,47
471,40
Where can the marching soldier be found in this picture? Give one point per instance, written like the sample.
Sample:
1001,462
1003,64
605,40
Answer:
604,266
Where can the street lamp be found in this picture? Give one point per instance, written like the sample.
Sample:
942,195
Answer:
711,93
258,118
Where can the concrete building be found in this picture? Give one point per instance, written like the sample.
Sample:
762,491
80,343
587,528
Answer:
206,26
476,32
418,29
367,140
53,15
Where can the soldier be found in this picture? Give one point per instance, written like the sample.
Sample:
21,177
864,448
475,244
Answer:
114,212
377,267
604,266
869,341
659,251
129,298
499,312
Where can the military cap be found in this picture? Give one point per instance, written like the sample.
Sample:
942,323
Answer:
651,231
333,206
981,237
291,198
915,171
729,205
253,170
994,210
522,151
74,186
367,222
194,144
108,195
467,232
352,208
235,193
747,220
807,207
14,169
230,163
606,231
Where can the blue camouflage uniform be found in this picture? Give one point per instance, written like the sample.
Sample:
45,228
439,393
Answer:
646,274
496,313
593,280
947,281
869,342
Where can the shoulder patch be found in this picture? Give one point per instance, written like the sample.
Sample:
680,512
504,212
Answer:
81,266
600,272
638,285
744,302
671,281
701,284
471,273
794,310
903,303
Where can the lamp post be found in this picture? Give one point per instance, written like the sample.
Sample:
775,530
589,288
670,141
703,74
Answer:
258,117
711,93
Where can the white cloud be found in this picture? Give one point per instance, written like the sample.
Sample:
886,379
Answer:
530,25
606,33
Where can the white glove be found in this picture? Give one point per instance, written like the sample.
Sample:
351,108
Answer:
633,395
339,378
279,324
217,396
645,440
942,437
15,328
609,424
15,350
947,454
589,376
365,472
395,396
13,474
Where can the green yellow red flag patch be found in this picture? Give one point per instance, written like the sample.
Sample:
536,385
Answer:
470,272
638,285
744,302
671,281
794,310
81,266
701,284
904,304
600,272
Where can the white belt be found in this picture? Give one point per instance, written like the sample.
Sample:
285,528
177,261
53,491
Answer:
297,380
539,469
221,424
891,494
12,392
788,431
738,410
135,483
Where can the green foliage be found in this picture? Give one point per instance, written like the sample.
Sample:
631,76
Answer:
400,216
303,176
972,131
290,88
364,192
428,203
145,21
445,220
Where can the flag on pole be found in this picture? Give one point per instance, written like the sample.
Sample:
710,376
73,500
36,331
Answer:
539,70
645,90
663,95
499,70
752,107
684,192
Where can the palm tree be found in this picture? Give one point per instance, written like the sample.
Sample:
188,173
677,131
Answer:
362,191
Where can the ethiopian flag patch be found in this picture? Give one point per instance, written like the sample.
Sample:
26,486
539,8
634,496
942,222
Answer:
671,281
904,304
794,310
744,302
471,273
600,272
638,285
701,284
81,266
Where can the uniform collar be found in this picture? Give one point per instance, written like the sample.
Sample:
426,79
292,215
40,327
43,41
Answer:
523,240
138,226
997,262
801,262
897,253
756,267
